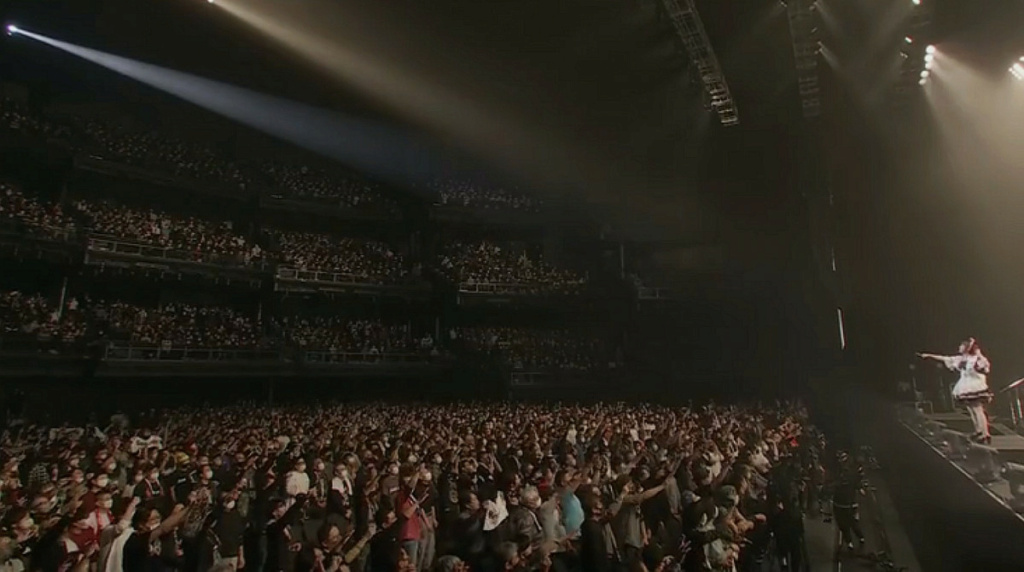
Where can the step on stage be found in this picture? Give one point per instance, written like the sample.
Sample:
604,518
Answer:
997,468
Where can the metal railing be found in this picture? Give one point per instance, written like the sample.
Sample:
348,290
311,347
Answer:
652,293
41,232
517,289
528,378
288,273
329,357
113,245
115,352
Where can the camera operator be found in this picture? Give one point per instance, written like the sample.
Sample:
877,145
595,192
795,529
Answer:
849,485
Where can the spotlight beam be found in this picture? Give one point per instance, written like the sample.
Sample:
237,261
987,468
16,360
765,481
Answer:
390,154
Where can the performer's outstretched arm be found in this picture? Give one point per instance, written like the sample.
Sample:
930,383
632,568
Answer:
946,360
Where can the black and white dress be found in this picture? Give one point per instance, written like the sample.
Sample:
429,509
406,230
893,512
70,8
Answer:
972,387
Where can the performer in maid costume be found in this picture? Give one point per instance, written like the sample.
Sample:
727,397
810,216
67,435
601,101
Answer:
971,390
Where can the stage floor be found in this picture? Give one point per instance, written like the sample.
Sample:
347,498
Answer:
1009,444
882,532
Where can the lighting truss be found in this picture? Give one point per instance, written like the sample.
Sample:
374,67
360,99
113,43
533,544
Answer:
690,29
916,56
803,29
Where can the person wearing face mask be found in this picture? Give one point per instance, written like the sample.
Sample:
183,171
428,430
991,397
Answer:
102,515
150,490
97,484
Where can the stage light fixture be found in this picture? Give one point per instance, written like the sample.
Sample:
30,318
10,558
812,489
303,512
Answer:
1017,71
929,57
930,50
12,29
908,40
925,74
916,2
923,81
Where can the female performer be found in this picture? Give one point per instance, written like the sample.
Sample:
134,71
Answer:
971,390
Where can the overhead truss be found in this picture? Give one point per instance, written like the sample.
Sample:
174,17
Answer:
690,29
803,28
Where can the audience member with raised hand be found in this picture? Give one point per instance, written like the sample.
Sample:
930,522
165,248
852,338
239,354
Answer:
629,465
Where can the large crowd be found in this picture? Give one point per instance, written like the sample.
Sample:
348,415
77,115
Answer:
339,335
539,349
506,266
364,261
381,488
203,240
177,326
472,265
26,315
166,155
31,215
470,194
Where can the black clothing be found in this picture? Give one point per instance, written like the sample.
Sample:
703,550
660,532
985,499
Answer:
593,548
384,548
227,533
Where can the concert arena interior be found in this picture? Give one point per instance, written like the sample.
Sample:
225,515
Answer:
512,285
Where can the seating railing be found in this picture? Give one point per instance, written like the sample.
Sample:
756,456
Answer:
652,293
114,245
131,352
289,273
517,288
525,378
329,357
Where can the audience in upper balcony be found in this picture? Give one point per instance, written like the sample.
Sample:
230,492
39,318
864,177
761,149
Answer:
167,155
180,325
470,194
38,217
302,182
204,240
34,315
507,267
161,153
15,116
339,335
538,349
365,261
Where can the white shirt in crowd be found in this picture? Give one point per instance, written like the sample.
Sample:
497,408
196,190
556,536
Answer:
296,483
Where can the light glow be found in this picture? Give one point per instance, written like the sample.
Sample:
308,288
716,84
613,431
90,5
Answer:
842,329
12,29
929,50
1017,71
908,40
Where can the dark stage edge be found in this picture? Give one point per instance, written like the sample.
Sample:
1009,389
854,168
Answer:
883,532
